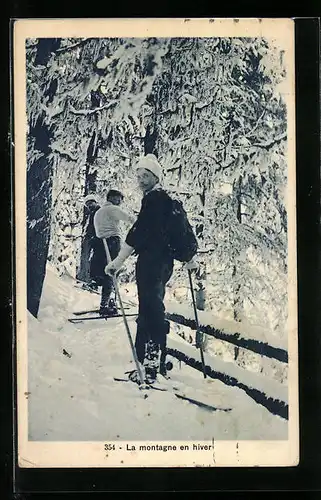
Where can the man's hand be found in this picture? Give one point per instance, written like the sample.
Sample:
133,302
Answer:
192,265
112,268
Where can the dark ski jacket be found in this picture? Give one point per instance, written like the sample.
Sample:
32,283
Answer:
90,232
148,234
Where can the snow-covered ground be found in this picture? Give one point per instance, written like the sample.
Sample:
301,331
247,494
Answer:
73,396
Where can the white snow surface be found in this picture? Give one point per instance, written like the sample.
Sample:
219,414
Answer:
73,396
262,383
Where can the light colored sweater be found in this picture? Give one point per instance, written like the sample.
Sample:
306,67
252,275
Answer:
107,219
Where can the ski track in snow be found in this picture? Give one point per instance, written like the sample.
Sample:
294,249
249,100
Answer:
73,396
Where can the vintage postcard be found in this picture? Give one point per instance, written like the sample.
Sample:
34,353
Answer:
156,303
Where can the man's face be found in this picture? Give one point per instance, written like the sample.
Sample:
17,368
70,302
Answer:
116,200
90,205
146,180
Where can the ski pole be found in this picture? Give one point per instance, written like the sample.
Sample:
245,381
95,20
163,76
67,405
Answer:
140,374
196,321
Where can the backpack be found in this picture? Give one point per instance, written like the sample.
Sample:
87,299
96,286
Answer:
181,238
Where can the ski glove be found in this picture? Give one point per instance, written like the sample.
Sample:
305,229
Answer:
192,265
116,264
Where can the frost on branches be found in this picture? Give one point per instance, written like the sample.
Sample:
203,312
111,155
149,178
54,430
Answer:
211,109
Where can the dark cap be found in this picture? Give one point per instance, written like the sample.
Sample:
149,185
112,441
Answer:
114,192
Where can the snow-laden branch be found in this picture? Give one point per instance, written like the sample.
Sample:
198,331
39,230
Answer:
73,46
172,169
256,237
63,154
58,195
257,123
168,111
249,89
31,45
53,110
221,166
269,144
87,112
208,250
203,105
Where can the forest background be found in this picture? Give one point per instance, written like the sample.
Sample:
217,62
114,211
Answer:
213,112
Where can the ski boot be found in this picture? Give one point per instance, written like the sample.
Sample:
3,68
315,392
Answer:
112,307
162,364
151,362
103,309
108,310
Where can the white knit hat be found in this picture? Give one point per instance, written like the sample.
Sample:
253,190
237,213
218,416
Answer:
90,197
150,162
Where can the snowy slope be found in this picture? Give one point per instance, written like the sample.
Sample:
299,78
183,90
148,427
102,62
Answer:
73,395
267,386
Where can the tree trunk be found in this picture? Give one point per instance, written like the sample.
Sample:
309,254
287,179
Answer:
90,187
237,299
39,192
150,140
39,185
83,273
84,267
200,274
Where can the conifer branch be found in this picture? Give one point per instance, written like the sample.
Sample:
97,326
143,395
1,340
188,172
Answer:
73,46
86,112
269,144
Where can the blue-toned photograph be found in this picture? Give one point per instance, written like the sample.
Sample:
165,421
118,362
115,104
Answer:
157,239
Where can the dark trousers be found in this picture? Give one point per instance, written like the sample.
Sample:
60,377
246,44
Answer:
152,274
113,244
98,256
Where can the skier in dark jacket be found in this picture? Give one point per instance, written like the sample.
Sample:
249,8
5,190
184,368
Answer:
154,267
92,207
